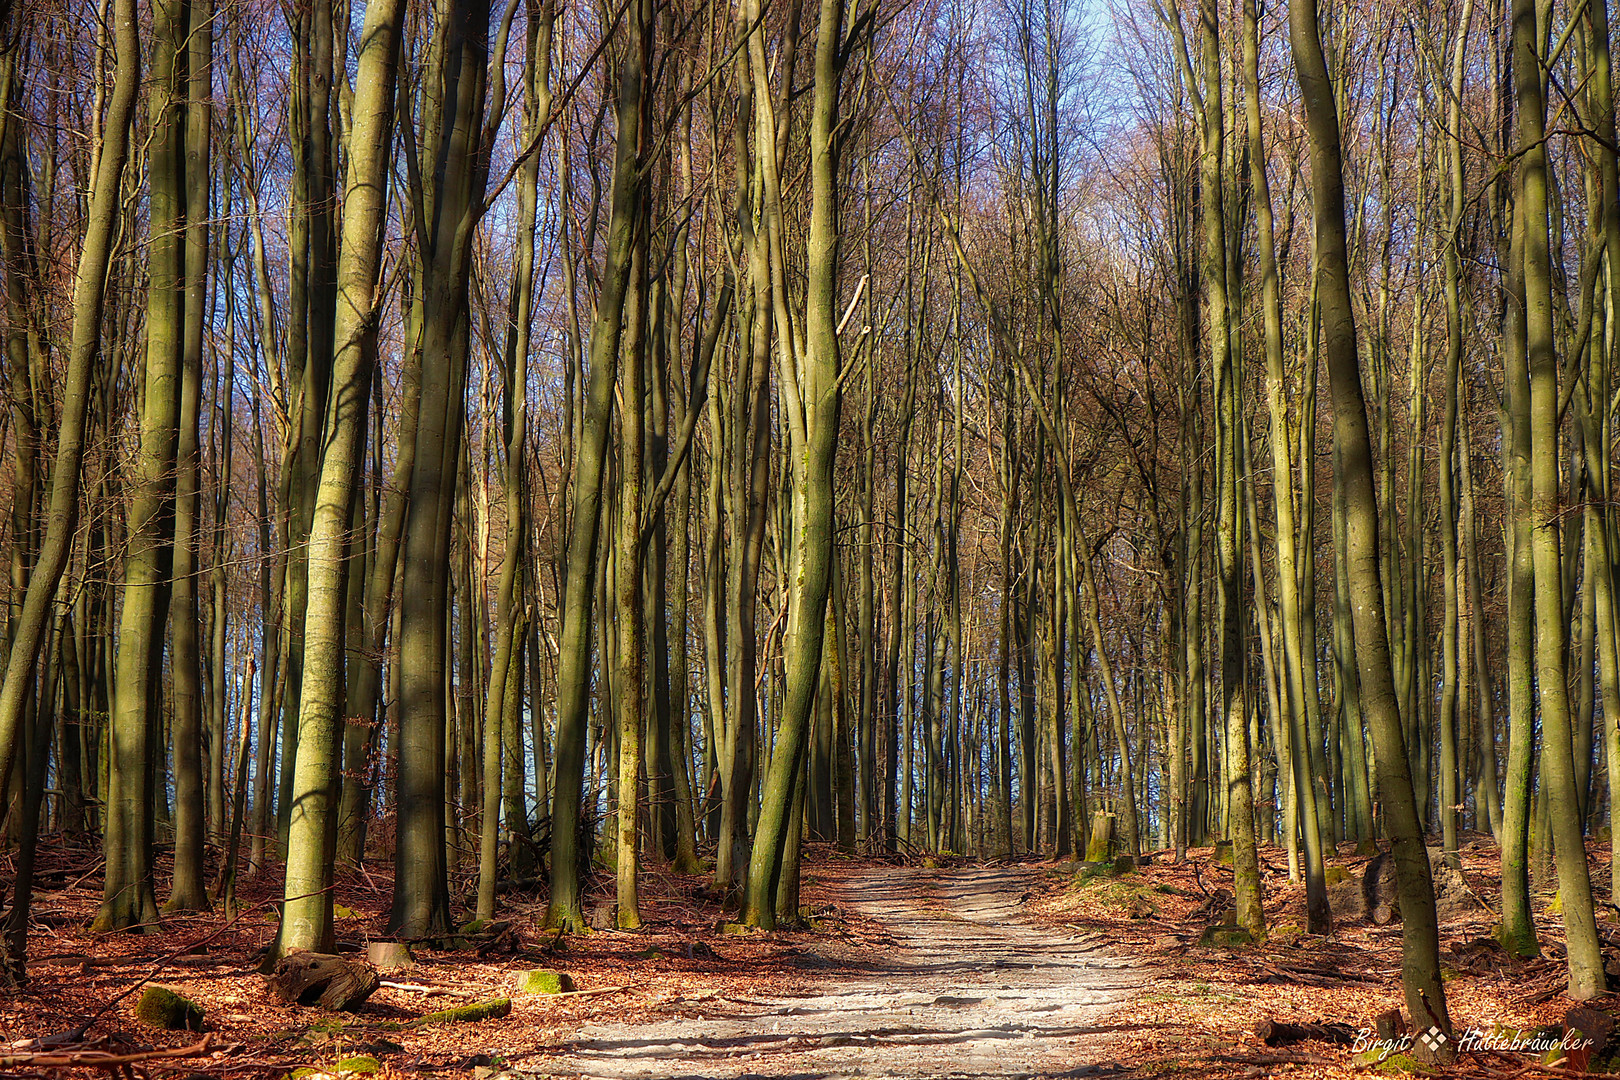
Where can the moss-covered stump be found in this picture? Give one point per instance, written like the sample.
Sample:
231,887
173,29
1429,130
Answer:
1225,937
494,1009
1379,1061
544,981
1100,845
359,1065
1141,906
165,1008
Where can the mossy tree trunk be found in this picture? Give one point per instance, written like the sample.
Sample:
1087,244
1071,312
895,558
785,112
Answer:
1586,975
811,415
189,891
574,662
1420,973
135,741
307,917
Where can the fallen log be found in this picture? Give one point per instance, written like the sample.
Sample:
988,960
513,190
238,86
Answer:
430,991
67,1058
493,1009
1282,1033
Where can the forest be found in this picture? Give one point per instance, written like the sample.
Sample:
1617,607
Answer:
533,449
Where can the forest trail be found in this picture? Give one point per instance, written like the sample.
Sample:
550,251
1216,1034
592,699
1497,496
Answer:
967,989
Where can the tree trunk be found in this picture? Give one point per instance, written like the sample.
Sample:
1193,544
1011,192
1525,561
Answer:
135,734
1420,973
1586,976
307,917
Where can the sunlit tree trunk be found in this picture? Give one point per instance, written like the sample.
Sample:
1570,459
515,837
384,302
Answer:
307,916
1586,976
812,418
1420,974
136,728
569,847
188,891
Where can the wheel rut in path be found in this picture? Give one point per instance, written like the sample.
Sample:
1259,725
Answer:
969,989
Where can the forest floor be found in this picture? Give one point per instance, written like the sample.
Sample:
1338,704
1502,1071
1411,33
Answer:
948,968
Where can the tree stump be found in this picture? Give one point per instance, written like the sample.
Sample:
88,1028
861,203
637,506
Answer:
544,981
1381,898
163,1007
390,956
323,980
1381,890
1101,844
1588,1035
605,915
1390,1025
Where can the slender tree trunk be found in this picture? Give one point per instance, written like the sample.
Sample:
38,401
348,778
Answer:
813,423
307,916
136,732
1586,977
1420,975
90,283
569,846
189,891
456,139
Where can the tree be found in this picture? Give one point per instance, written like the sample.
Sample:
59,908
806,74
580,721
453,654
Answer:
811,397
1586,976
134,744
312,829
1352,476
569,845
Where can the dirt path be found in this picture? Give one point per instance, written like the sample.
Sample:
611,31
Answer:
967,990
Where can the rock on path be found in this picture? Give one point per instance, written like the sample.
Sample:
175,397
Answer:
969,990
